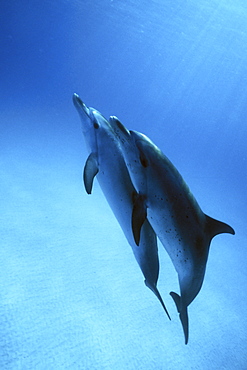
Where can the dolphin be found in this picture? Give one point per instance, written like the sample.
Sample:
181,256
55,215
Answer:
106,161
166,201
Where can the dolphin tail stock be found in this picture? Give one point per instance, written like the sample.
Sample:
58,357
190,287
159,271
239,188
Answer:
90,171
215,227
157,293
183,315
139,215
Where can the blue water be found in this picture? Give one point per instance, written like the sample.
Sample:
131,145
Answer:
72,295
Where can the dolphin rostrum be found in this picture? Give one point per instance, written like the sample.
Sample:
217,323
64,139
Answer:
106,161
165,199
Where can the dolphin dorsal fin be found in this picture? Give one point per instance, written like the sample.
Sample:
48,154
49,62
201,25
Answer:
91,169
215,227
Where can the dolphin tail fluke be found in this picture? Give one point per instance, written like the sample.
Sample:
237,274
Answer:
215,227
157,293
183,315
90,171
139,215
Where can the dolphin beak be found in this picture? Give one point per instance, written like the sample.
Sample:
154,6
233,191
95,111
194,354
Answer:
80,106
118,127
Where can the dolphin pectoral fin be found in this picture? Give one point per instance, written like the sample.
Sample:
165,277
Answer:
183,315
90,171
139,215
157,293
215,227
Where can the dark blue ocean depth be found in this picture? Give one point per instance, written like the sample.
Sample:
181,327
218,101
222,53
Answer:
71,293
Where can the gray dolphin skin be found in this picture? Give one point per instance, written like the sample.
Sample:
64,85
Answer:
106,161
166,201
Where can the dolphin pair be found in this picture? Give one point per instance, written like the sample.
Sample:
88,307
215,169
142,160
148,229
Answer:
106,161
143,187
173,212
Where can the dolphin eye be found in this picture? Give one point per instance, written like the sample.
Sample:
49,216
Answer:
96,125
143,161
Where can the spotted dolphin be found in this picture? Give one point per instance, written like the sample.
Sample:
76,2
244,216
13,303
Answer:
166,201
106,161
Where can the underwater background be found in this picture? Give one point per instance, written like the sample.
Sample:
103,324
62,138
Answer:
71,293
